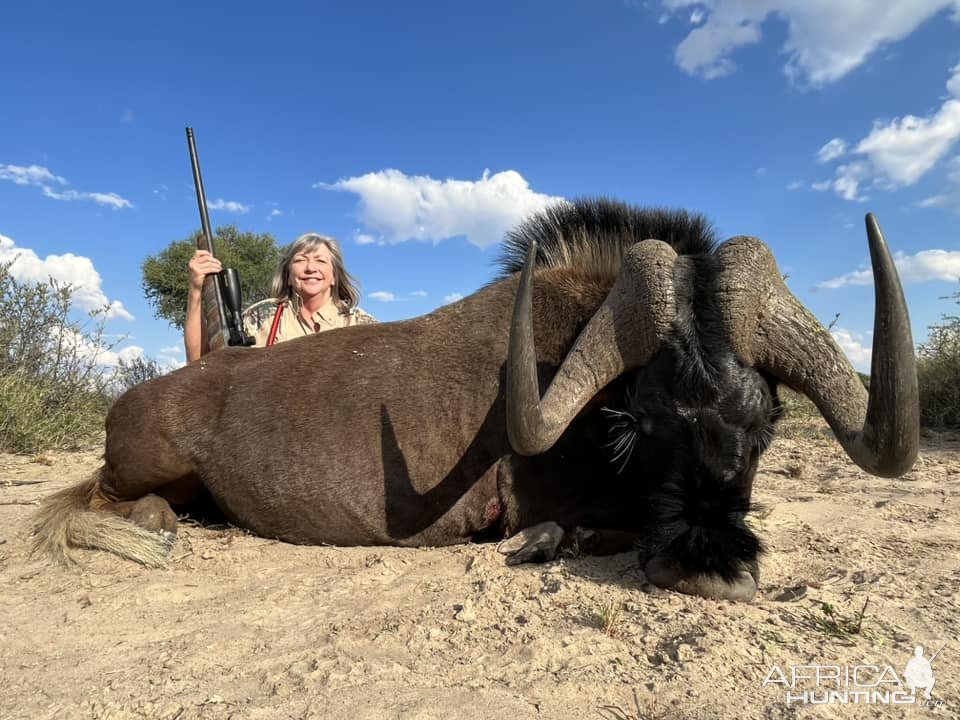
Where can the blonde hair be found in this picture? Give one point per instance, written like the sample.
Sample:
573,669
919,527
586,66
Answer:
346,293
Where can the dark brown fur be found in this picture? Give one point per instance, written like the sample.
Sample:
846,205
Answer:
377,434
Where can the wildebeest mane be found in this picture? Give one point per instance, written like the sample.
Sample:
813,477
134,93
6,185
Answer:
593,234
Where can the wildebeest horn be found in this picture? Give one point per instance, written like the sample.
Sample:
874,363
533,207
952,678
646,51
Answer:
771,330
624,333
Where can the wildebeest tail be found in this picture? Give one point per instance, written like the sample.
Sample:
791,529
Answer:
65,521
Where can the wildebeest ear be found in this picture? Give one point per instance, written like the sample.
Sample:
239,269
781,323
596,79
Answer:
771,330
623,334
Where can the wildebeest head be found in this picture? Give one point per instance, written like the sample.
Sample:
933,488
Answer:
693,346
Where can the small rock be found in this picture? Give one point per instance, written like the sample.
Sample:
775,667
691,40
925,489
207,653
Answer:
465,613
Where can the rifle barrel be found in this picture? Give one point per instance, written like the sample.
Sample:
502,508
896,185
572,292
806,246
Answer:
201,196
216,328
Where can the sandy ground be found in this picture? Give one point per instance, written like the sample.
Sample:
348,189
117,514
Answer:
242,627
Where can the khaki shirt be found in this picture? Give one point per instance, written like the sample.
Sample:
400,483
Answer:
292,324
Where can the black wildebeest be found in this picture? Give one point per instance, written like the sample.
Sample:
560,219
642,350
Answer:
617,382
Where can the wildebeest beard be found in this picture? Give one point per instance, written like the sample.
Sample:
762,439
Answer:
689,429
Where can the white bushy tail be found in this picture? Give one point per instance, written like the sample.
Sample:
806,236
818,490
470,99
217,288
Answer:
66,521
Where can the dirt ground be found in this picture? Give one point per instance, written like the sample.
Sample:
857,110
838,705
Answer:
243,627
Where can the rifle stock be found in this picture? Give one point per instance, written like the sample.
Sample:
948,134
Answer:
221,300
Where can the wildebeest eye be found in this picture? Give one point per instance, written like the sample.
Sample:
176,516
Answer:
646,425
766,419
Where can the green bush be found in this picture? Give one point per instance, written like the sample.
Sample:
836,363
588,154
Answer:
254,256
938,372
133,372
54,391
37,415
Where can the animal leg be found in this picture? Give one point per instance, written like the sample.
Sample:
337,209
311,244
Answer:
536,544
150,512
600,541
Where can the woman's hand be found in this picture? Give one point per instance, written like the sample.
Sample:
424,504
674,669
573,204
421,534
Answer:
202,264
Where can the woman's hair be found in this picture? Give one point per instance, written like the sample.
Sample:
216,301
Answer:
345,288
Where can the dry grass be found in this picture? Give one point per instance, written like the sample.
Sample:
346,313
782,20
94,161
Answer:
647,709
608,619
829,620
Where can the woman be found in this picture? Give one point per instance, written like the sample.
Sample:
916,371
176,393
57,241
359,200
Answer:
312,292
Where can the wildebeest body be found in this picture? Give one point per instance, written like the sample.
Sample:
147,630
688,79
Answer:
282,439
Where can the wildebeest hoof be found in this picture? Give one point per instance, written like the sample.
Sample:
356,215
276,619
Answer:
153,513
535,545
743,587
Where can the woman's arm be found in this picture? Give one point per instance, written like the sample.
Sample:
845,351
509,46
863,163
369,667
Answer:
201,264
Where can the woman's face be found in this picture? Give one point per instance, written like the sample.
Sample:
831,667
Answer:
311,272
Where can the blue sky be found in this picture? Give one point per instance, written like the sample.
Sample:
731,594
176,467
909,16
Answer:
417,132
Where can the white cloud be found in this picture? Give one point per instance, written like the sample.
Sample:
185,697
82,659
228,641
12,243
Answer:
364,239
950,199
822,185
953,84
171,358
925,266
858,353
452,297
41,177
832,150
848,181
795,184
274,213
942,200
228,206
112,358
384,296
31,175
898,152
401,207
904,150
857,277
108,359
111,199
76,270
126,116
826,39
929,265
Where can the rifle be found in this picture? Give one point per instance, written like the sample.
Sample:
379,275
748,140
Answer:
221,300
